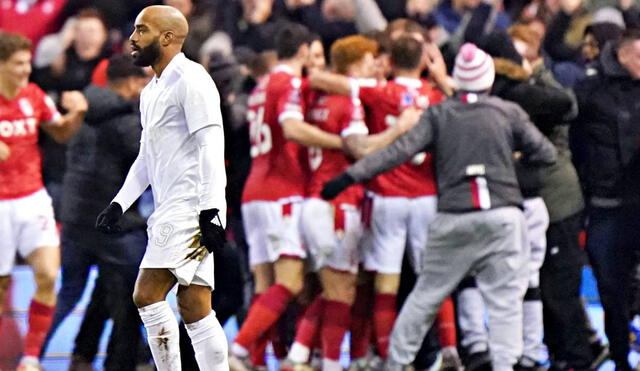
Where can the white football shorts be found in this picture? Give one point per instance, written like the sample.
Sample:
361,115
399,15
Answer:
397,222
26,224
332,234
174,243
272,229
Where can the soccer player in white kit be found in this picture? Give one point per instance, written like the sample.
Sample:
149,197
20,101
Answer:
182,157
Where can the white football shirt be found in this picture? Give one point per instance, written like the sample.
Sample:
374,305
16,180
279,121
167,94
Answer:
173,107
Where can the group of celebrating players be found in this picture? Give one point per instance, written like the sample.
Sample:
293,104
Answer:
306,131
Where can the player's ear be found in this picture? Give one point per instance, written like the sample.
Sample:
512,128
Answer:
166,38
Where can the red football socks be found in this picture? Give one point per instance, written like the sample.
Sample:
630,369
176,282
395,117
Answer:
384,316
447,324
263,314
336,318
309,325
361,322
259,348
40,318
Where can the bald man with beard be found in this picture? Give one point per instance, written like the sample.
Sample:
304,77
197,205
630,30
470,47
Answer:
182,158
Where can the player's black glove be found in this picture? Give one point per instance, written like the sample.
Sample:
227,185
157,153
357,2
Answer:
213,235
107,221
336,185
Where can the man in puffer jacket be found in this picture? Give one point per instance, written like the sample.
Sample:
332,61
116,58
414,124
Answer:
609,134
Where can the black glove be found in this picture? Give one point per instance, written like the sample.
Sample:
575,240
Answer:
107,221
336,185
213,235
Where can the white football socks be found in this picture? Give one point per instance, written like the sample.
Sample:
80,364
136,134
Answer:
209,343
163,335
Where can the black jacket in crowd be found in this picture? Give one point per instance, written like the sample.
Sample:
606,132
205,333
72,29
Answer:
546,106
608,133
99,157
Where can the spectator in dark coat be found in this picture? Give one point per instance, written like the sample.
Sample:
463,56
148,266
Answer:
570,64
71,70
610,134
99,158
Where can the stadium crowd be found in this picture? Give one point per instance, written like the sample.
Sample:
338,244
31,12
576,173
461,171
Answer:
497,143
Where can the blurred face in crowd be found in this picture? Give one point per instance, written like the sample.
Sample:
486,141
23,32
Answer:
15,71
629,58
364,68
256,11
382,66
145,42
527,51
590,49
316,59
90,36
184,6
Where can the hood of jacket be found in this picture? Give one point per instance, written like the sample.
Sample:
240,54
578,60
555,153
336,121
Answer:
510,69
105,104
609,62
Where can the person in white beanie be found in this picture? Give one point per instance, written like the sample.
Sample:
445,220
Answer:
480,227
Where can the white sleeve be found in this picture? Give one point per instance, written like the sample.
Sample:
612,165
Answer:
213,178
136,182
201,103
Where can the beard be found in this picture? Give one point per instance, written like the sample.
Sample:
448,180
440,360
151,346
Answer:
148,55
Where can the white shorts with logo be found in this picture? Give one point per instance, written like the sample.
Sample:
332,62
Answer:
397,222
26,223
174,243
272,229
332,234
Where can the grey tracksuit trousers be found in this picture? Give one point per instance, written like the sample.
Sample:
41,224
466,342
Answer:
488,244
471,308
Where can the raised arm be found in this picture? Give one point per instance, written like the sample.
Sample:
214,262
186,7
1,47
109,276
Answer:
331,82
359,145
304,133
66,126
416,140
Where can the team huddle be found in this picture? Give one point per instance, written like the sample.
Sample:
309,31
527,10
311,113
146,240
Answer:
302,213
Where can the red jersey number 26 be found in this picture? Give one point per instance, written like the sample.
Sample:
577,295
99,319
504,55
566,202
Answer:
259,133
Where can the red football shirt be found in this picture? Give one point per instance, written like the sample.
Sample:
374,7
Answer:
384,103
278,168
340,115
20,117
33,21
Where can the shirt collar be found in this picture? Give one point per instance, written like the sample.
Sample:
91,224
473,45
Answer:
282,68
173,64
409,82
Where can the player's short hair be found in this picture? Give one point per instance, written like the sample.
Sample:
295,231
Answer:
290,38
628,36
349,50
121,66
382,39
407,26
406,53
92,13
11,43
